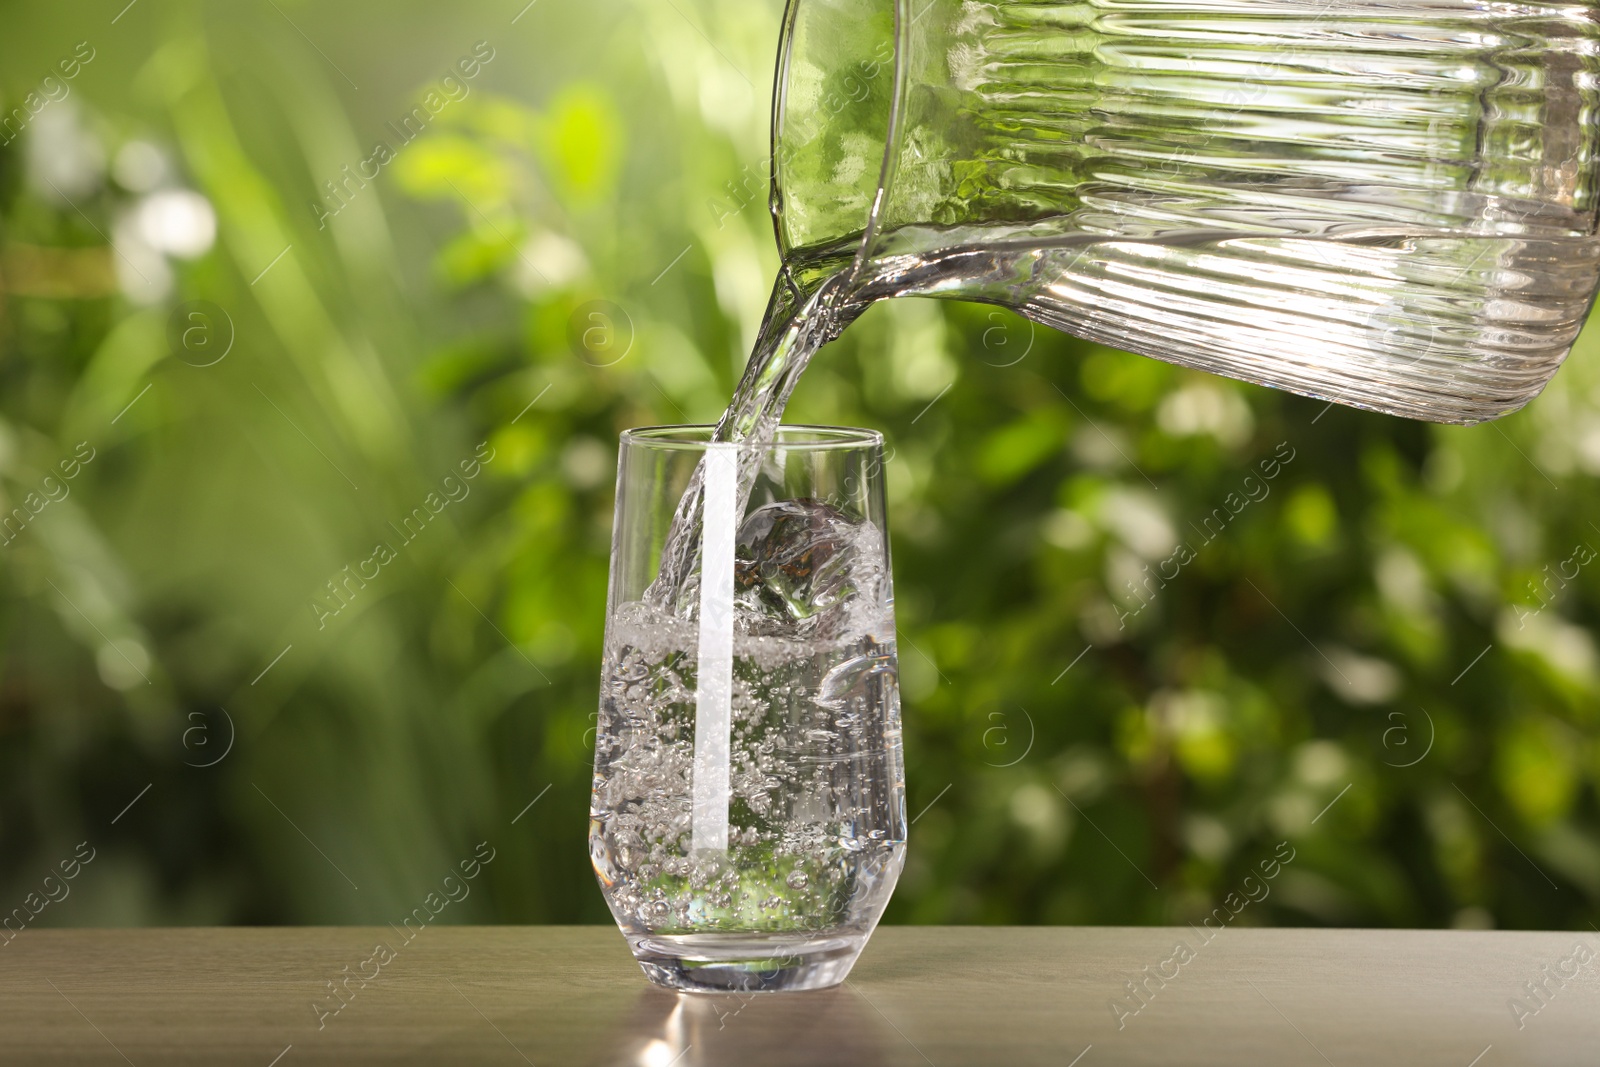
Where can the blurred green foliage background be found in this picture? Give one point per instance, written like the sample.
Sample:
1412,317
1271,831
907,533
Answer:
1387,659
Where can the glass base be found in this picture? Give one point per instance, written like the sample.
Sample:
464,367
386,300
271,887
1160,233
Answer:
746,962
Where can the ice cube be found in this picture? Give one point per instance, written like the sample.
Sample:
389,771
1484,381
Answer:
798,562
851,678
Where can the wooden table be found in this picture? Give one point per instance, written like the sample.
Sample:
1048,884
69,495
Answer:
920,995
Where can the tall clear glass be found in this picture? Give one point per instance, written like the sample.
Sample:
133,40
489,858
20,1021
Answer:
748,817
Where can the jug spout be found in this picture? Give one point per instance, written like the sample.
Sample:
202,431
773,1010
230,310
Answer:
1381,204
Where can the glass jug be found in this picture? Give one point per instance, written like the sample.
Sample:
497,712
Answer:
1389,204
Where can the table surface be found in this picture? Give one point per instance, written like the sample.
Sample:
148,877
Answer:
920,995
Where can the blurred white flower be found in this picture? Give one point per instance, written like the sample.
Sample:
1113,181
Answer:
178,222
1138,520
142,272
1291,812
1359,679
1188,714
1568,649
549,261
1039,812
1067,530
1207,837
123,663
1125,577
587,462
140,167
1205,408
1321,763
1403,581
1588,443
65,159
1100,447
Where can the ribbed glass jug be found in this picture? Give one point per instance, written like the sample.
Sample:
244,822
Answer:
1389,204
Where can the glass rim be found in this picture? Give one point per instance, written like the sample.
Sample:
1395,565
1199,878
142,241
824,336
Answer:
695,437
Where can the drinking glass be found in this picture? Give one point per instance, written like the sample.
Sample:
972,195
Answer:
748,816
